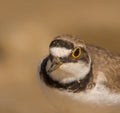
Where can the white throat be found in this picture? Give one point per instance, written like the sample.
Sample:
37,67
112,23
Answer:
69,72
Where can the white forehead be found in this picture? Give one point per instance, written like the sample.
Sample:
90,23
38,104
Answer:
60,51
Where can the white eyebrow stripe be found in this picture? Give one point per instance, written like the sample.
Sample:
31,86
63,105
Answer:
60,52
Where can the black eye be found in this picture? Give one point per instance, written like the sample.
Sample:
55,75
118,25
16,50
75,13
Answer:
76,53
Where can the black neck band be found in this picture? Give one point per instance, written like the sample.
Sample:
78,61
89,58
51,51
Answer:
75,86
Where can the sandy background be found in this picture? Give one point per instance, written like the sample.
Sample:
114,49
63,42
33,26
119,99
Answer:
26,28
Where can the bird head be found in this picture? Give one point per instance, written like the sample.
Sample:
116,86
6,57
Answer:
68,59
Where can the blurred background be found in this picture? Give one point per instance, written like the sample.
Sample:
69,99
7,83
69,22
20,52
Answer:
26,29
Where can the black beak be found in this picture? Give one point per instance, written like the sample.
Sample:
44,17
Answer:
56,63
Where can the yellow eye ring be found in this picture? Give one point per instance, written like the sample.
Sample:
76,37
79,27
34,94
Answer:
76,53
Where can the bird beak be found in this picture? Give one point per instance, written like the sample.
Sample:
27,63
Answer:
56,63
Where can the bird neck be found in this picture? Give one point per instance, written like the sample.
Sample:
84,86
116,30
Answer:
74,86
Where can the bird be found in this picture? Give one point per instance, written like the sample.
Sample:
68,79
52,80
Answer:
78,77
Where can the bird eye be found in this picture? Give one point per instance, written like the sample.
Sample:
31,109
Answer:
76,53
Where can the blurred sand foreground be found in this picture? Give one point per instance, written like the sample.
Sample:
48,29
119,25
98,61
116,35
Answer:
25,33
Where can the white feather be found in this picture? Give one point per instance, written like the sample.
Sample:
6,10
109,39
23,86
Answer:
60,52
99,95
68,72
